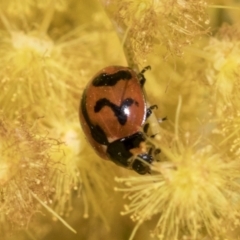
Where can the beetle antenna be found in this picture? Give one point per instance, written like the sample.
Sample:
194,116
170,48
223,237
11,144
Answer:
160,120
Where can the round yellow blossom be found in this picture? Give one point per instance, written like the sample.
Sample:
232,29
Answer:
194,194
49,49
26,169
223,67
146,23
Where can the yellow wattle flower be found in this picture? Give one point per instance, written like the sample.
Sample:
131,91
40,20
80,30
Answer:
144,24
191,195
222,72
20,176
49,50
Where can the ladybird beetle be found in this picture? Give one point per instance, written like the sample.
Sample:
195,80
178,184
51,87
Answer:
112,111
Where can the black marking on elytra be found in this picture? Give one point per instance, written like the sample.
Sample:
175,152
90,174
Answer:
96,131
119,111
136,103
105,79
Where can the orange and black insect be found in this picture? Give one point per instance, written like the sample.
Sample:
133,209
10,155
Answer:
112,111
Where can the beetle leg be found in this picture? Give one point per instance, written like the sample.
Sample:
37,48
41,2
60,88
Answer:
145,69
157,151
146,127
145,130
139,166
150,151
142,81
141,75
162,119
149,110
153,136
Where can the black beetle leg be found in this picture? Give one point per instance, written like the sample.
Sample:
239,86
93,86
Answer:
145,69
157,151
150,151
162,119
153,136
146,127
141,75
149,110
142,81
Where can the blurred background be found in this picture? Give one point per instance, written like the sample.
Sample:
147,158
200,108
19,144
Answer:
53,185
